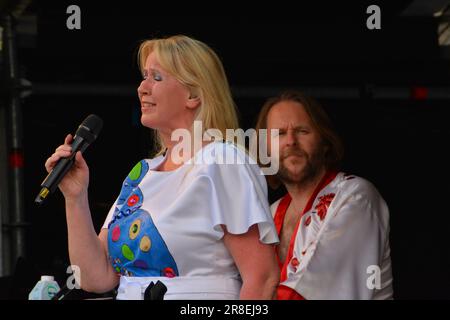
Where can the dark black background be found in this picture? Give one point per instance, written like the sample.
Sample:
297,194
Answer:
398,144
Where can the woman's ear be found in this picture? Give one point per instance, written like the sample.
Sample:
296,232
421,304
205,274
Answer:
193,102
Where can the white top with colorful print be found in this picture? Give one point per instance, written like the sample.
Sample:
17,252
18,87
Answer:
169,223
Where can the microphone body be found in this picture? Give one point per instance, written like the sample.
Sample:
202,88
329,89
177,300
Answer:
87,132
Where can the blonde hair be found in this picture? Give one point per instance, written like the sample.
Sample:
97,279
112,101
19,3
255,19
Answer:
197,67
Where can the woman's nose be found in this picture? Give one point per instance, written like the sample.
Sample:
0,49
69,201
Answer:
144,88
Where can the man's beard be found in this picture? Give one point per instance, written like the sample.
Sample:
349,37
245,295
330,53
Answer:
313,163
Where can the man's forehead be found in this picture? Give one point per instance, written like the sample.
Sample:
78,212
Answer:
287,113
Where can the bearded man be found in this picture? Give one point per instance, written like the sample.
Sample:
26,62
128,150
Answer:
333,227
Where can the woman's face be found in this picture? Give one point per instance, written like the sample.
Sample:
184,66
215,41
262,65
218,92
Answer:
164,100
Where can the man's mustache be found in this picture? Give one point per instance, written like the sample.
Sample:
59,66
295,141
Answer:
293,152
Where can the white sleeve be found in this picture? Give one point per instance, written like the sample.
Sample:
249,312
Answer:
351,243
238,199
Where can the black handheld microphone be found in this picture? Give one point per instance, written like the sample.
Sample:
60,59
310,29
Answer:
86,134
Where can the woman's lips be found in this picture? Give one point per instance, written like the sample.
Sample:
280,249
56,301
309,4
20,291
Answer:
147,105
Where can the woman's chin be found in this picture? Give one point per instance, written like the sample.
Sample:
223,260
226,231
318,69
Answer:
149,122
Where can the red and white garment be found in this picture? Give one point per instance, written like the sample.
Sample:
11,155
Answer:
340,247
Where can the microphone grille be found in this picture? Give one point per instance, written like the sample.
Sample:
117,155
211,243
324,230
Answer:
93,123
